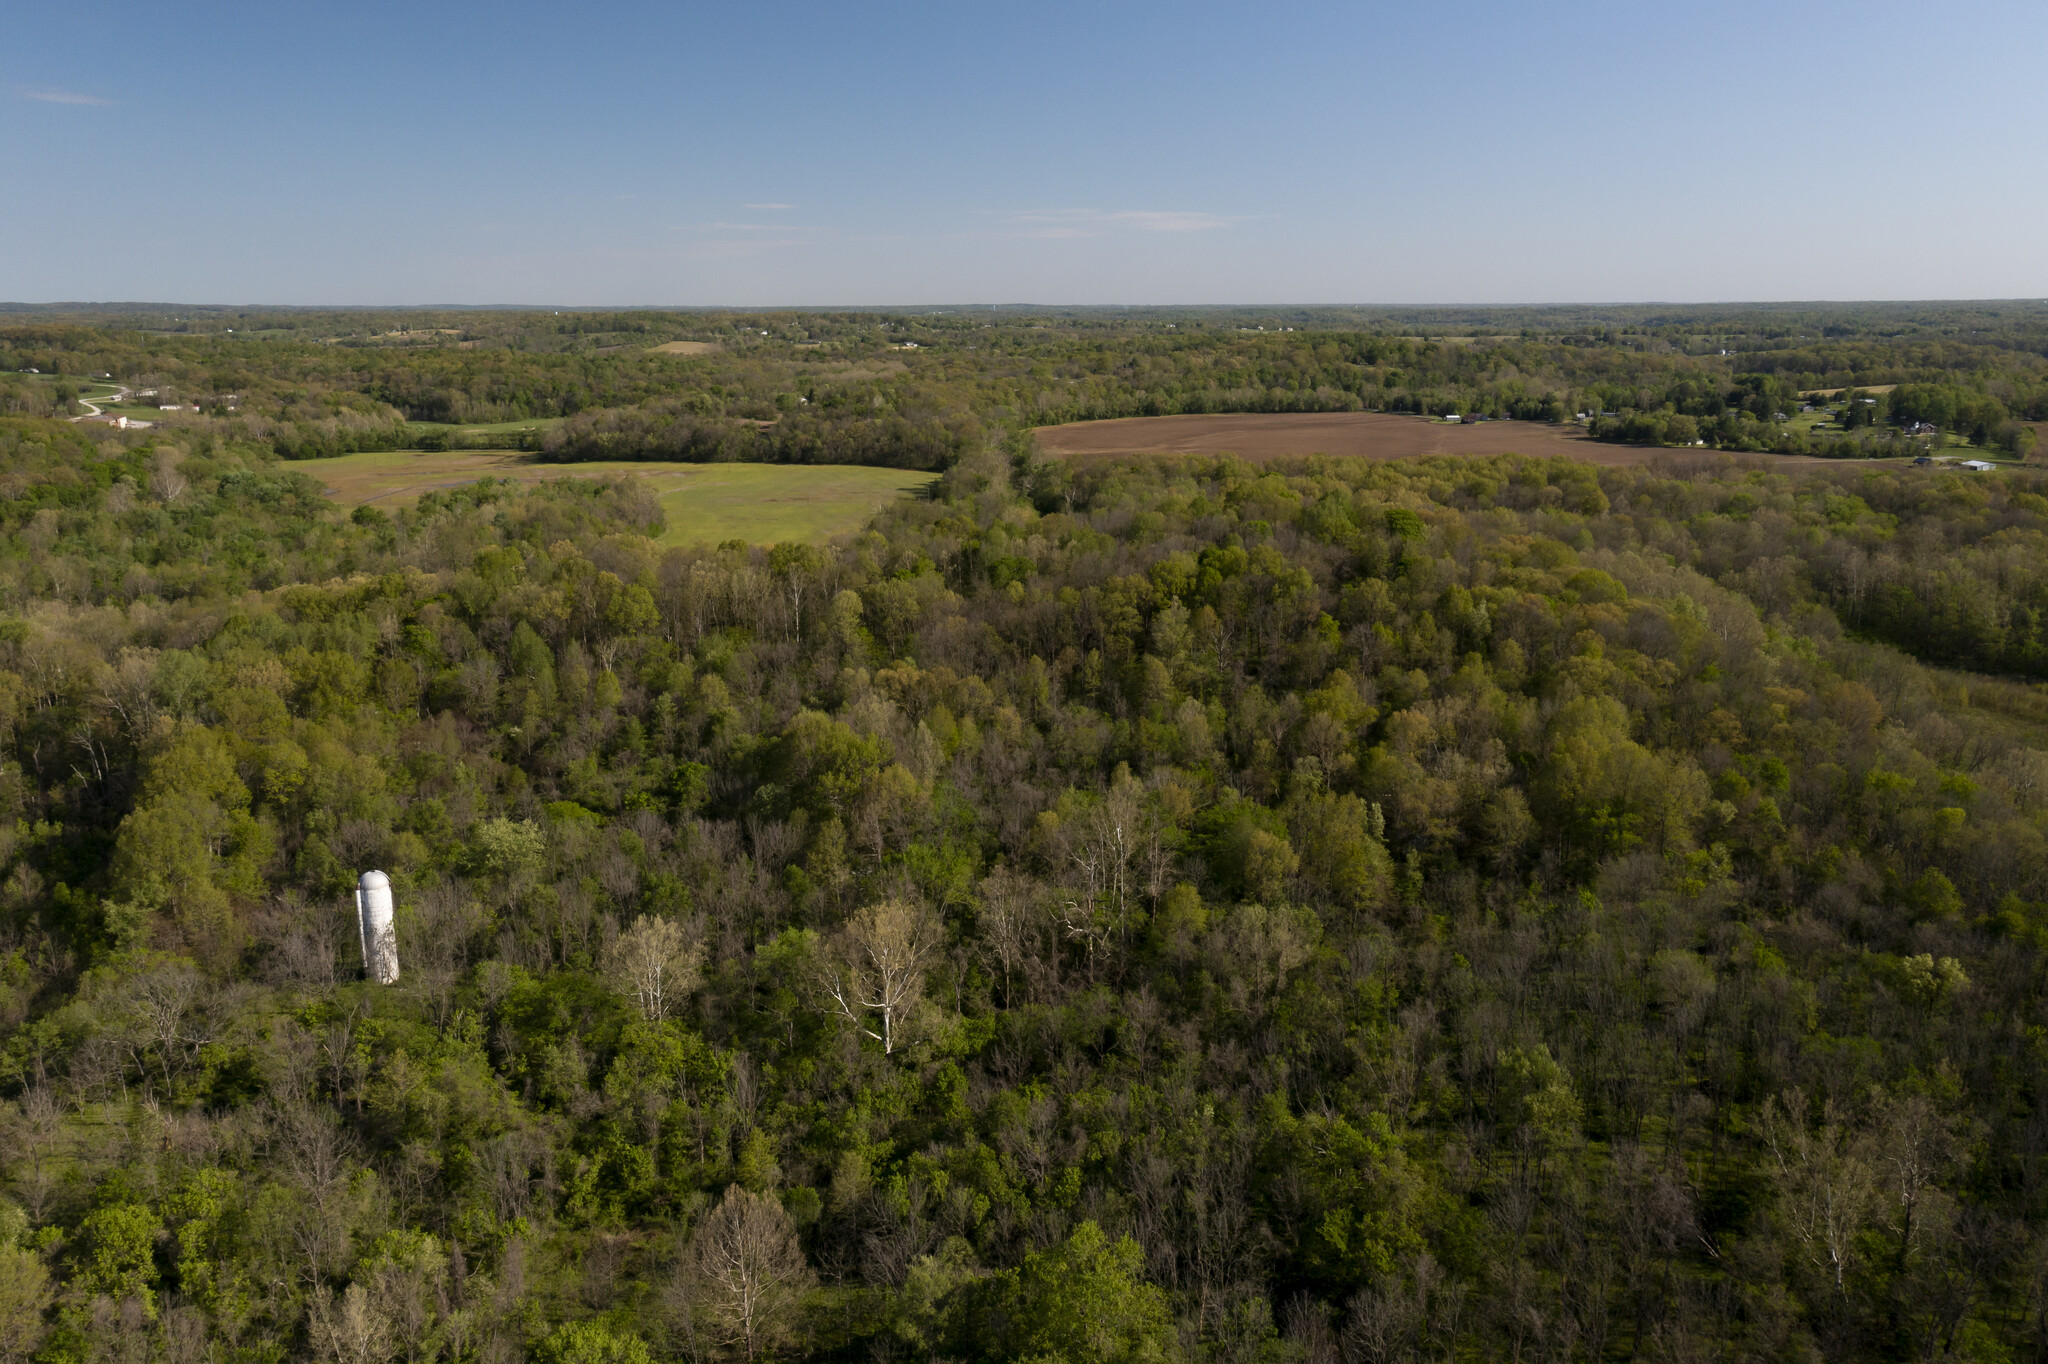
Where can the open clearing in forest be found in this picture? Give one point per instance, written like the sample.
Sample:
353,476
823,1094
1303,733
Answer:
772,504
704,503
684,348
1358,435
1838,392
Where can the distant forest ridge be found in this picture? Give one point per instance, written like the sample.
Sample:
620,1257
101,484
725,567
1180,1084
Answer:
921,388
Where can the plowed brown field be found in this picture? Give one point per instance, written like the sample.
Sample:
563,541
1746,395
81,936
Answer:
1361,435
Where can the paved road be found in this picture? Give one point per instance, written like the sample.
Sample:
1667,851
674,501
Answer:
93,403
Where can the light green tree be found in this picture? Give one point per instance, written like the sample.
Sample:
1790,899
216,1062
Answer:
512,849
120,1240
591,1342
25,1296
188,844
1084,1301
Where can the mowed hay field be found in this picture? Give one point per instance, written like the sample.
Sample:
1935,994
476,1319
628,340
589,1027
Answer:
1361,435
773,504
703,503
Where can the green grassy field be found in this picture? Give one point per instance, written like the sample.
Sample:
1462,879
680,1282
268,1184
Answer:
774,503
703,503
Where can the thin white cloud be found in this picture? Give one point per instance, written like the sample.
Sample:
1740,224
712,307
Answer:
772,206
62,97
1170,222
760,227
718,249
725,238
1065,223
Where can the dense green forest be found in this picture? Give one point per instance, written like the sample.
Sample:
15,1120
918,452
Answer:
922,390
1316,913
1173,911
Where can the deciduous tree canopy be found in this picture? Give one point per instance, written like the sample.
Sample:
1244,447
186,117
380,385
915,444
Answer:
1160,910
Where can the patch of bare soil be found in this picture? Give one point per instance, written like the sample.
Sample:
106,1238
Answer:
684,348
1358,435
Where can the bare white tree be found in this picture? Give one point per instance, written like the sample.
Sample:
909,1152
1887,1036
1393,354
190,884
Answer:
181,1336
314,1155
1825,1188
656,962
1914,1150
745,1254
165,481
163,1003
34,1135
1013,921
126,689
796,568
351,1330
874,972
1111,848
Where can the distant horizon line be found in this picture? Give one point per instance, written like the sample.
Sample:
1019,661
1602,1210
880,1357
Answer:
81,305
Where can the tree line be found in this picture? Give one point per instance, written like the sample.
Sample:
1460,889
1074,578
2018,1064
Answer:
919,391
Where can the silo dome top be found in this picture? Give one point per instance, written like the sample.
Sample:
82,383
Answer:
374,880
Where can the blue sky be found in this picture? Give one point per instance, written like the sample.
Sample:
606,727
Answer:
805,154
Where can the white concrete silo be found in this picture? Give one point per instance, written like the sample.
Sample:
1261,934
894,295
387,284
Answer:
380,938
